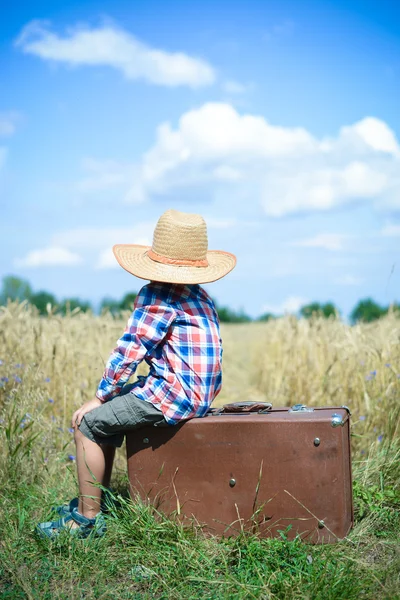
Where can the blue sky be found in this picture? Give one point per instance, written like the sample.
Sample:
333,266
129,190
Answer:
277,121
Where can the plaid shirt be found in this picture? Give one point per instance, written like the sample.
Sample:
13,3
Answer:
175,329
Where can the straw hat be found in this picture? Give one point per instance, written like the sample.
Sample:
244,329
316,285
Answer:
179,253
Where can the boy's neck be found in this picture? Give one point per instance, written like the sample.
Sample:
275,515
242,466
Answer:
178,287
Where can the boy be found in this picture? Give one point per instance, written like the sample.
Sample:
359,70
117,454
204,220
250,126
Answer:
174,327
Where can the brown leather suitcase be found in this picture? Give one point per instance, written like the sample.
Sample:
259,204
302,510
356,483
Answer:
261,469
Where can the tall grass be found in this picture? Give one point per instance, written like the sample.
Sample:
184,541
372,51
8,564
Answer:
50,365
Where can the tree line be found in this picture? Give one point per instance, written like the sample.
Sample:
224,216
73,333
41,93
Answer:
15,288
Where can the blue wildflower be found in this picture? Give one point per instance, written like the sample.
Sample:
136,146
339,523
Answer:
388,365
53,418
25,420
373,373
362,451
47,379
51,400
380,438
362,418
71,430
71,457
368,378
18,366
5,379
398,376
17,379
1,362
60,429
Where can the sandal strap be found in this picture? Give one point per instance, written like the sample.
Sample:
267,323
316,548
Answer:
58,524
81,519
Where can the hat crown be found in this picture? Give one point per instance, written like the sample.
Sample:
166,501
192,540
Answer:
181,236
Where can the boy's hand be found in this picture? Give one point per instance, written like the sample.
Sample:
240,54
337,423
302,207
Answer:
85,408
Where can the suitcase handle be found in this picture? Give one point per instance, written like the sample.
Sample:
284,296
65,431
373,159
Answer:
242,407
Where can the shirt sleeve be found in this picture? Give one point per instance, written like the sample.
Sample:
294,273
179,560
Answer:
146,327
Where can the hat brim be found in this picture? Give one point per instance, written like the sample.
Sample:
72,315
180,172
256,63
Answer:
134,259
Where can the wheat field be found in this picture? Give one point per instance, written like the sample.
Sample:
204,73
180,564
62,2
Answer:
318,362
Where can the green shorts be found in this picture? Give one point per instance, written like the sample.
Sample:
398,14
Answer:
108,424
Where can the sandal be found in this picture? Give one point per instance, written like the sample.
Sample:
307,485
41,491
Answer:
64,509
95,527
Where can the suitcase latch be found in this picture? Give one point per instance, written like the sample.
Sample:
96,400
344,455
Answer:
300,408
337,420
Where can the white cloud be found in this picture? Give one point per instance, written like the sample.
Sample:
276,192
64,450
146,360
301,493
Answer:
375,134
49,257
391,231
213,143
349,280
95,243
327,241
320,189
114,47
99,241
8,122
284,169
291,305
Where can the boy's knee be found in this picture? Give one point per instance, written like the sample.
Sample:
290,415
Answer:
78,435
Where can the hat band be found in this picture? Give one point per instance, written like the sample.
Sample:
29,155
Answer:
165,260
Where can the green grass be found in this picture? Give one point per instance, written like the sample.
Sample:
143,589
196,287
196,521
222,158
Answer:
181,563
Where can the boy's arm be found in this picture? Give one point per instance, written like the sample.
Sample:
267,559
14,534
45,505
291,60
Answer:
146,327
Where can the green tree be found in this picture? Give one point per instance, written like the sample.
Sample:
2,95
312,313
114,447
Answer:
70,304
41,300
127,301
322,310
266,317
15,288
367,310
227,315
111,305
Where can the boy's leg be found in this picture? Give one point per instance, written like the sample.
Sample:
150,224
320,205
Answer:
109,455
94,457
94,463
